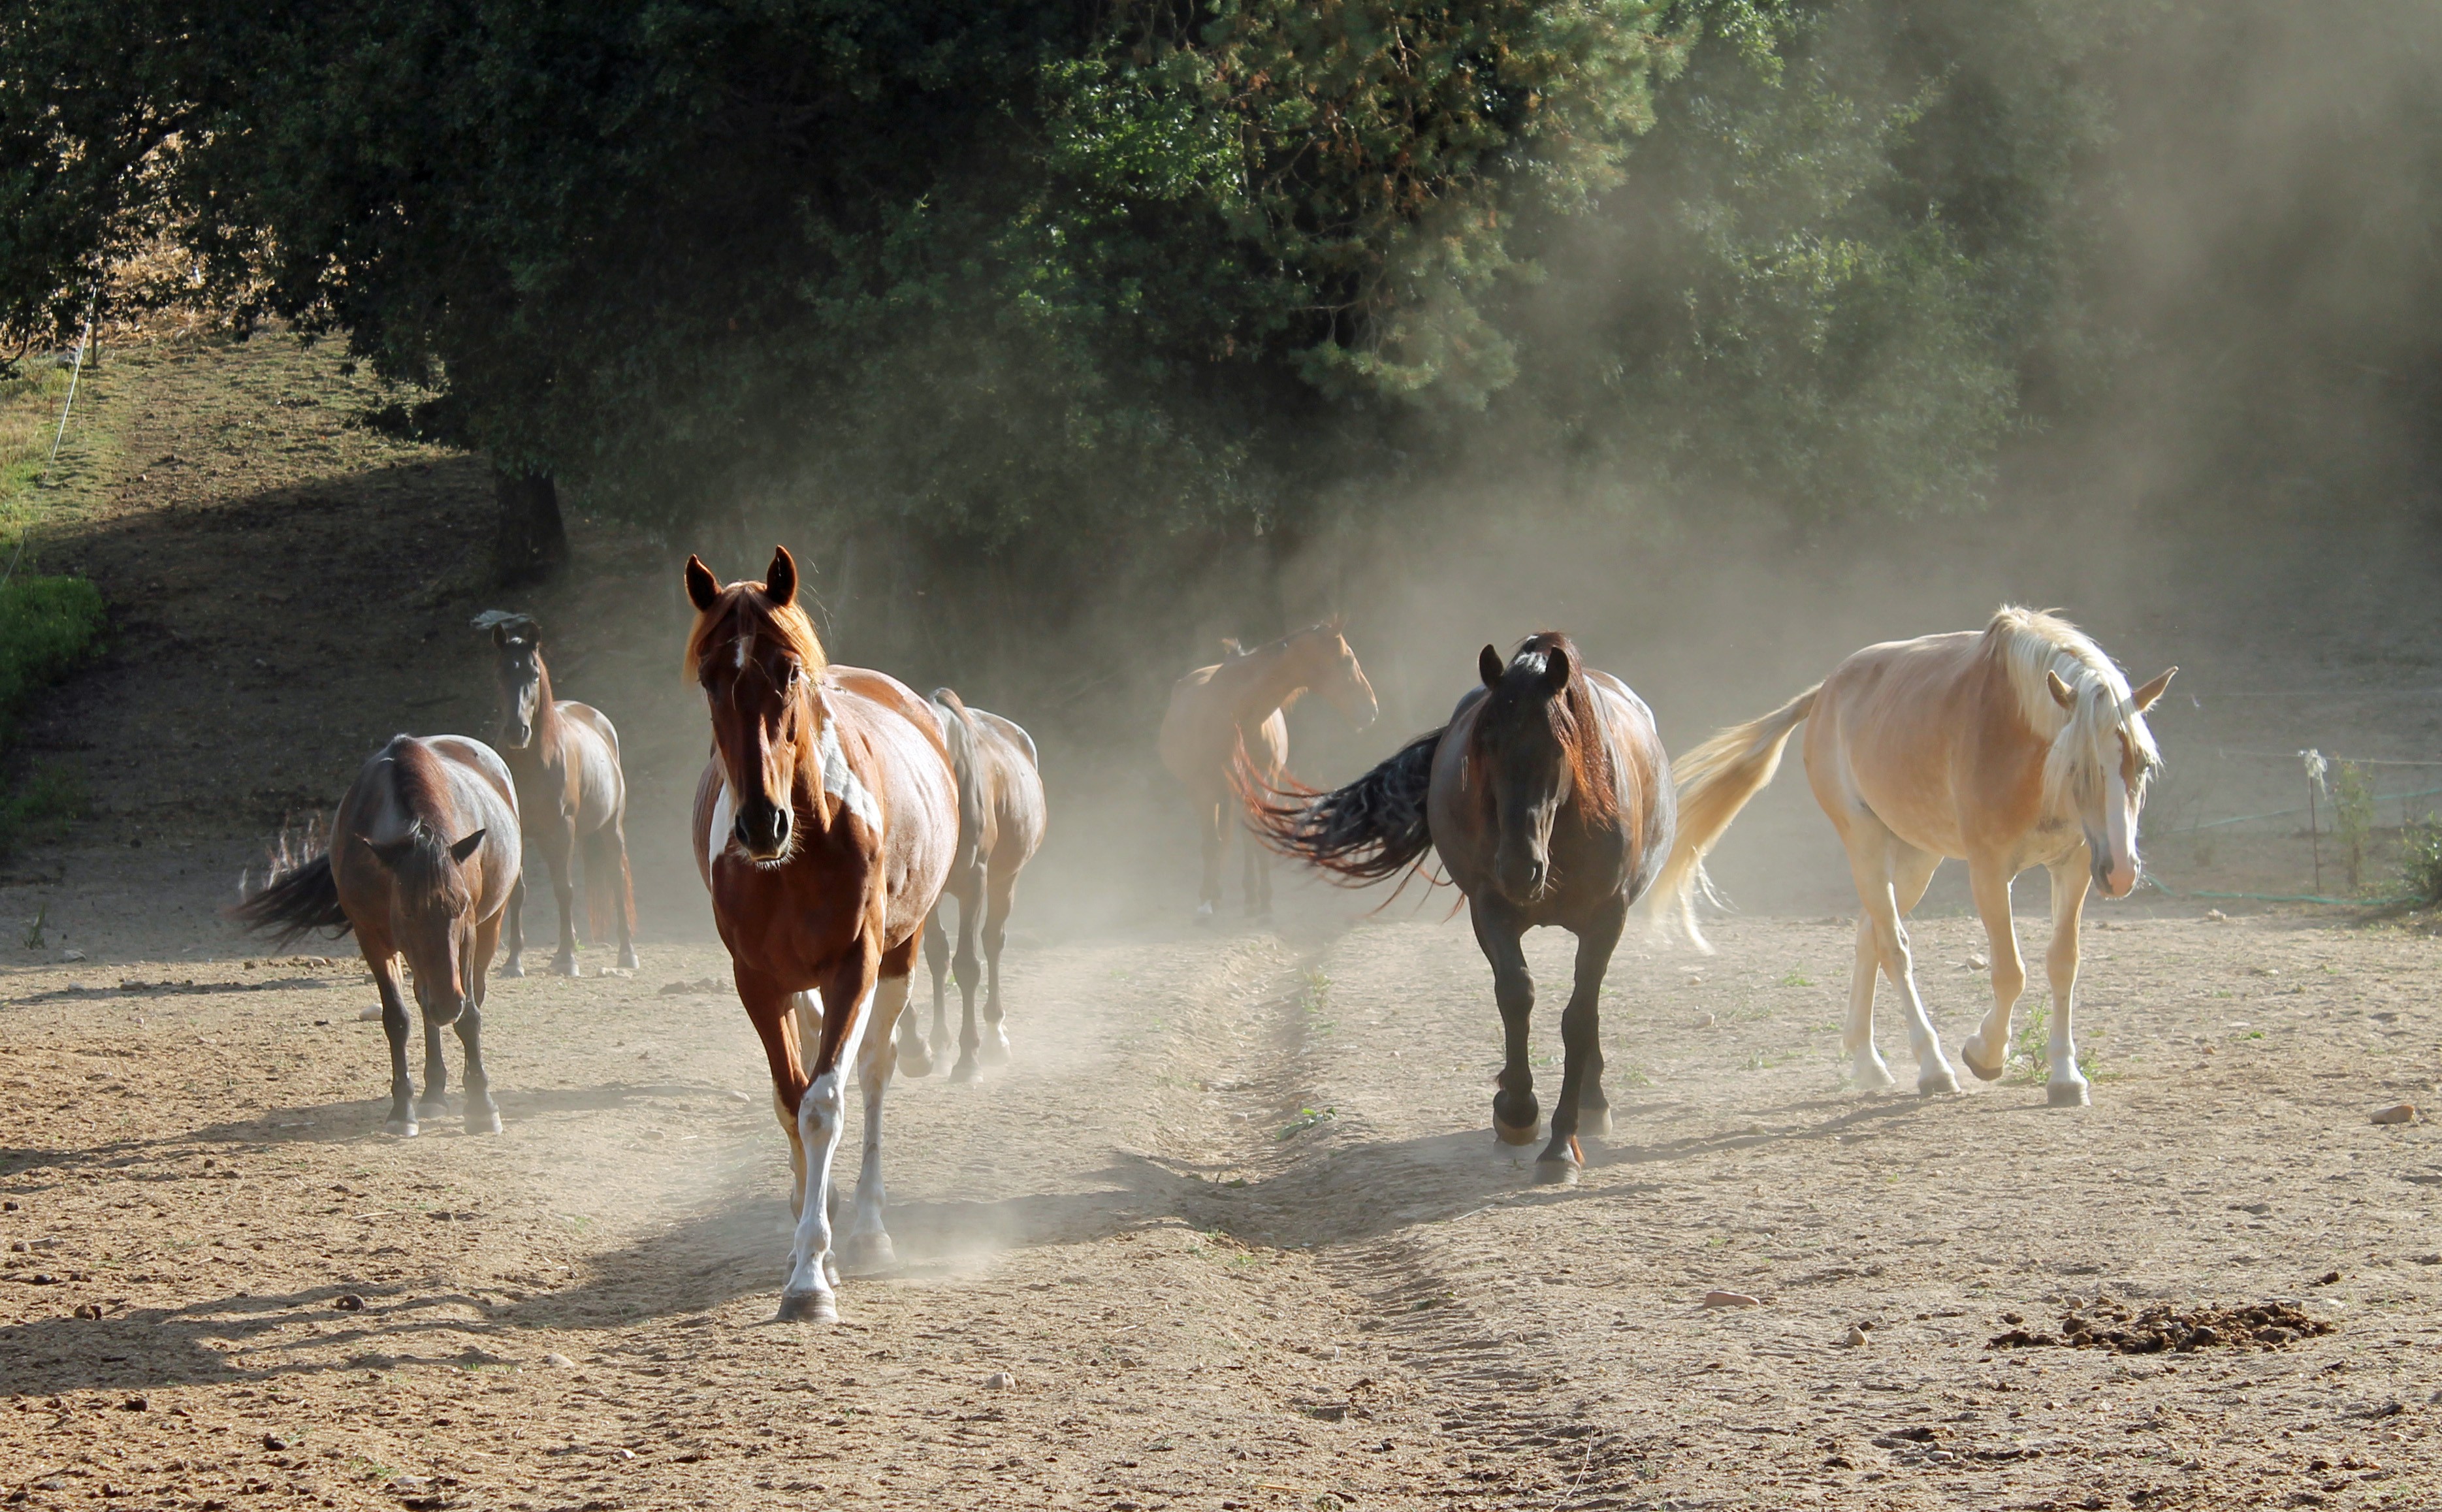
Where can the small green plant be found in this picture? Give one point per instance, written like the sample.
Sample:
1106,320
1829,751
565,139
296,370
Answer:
1306,1119
1797,977
2420,859
2353,820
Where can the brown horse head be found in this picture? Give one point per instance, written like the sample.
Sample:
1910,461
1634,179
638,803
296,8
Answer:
1330,668
1539,743
431,908
755,656
523,682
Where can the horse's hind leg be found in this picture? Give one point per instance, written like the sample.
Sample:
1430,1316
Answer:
562,859
915,1056
1259,877
1886,872
969,972
1514,1111
402,1091
2065,1087
1000,896
482,1114
1215,836
1580,1039
1987,1051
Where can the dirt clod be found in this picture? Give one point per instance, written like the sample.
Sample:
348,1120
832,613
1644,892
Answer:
2396,1113
2109,1325
999,1381
1858,1337
1731,1299
349,1302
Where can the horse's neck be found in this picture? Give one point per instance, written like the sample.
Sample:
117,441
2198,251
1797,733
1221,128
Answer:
546,715
1262,679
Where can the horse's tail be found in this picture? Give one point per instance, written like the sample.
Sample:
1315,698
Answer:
610,888
1715,781
966,764
1373,828
297,898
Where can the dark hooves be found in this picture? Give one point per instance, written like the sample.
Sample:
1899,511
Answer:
809,1307
1508,1135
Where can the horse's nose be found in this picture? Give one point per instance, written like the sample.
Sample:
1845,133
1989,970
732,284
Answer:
763,830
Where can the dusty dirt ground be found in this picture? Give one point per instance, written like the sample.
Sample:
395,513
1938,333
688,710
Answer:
1234,1223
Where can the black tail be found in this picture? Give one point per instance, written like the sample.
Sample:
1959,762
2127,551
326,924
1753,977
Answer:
1373,829
966,763
295,903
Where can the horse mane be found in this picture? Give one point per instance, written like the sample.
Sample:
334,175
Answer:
546,718
426,873
728,619
1575,725
2030,642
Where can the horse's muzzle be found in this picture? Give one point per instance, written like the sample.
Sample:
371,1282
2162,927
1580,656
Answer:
763,830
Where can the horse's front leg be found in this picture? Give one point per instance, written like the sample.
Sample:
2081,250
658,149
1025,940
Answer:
561,854
516,964
435,1101
1000,895
1515,1112
867,1247
1581,1041
970,974
402,1091
789,1024
1214,835
1987,1051
482,1114
848,999
2065,1087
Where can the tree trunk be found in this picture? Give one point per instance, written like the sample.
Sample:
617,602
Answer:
532,544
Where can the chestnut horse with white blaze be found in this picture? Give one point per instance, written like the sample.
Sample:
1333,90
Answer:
572,795
1002,815
824,826
1548,798
2014,746
425,852
1217,710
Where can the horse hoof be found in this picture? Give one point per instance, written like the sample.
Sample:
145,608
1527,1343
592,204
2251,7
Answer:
1981,1073
628,961
1594,1123
400,1128
915,1057
862,1254
994,1048
1551,1172
565,966
809,1307
432,1107
1507,1134
512,969
966,1071
487,1121
1874,1078
1940,1083
2066,1095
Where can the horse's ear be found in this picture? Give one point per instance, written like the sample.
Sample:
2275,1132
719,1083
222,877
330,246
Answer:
2060,690
1229,647
2145,696
703,589
389,852
1555,667
465,847
1488,667
501,636
780,582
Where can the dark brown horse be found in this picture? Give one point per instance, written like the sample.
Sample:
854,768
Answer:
1548,796
824,826
571,794
1001,819
424,855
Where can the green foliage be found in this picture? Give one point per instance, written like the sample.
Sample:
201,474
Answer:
2420,859
48,625
40,806
2353,819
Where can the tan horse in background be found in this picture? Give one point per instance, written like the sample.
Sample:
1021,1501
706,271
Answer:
2015,746
1242,701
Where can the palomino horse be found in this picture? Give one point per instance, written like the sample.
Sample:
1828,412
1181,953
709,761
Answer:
570,793
424,854
824,826
1216,710
1548,798
2007,748
1001,820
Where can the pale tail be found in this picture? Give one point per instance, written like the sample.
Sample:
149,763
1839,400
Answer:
1715,780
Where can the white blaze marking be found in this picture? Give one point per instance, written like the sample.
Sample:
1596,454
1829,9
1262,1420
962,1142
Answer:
725,825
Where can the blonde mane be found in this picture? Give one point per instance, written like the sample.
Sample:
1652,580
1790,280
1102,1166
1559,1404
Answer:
2030,642
721,624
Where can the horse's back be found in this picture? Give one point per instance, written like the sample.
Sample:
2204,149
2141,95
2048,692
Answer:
589,743
909,767
1020,810
888,692
1888,728
1186,737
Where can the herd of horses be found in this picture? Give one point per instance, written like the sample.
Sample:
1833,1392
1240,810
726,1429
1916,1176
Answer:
839,808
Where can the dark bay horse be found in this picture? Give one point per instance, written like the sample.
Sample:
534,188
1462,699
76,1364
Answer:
1216,710
571,794
824,826
1001,819
425,851
1548,796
